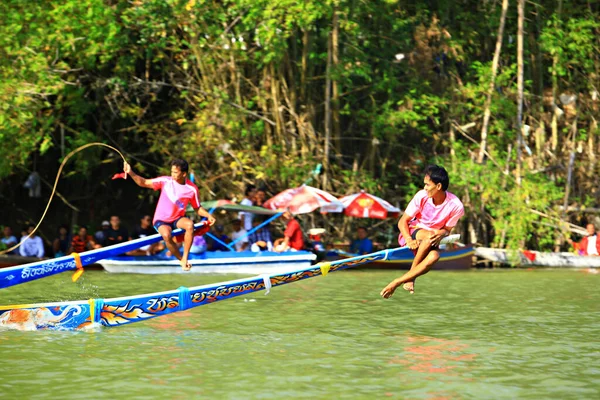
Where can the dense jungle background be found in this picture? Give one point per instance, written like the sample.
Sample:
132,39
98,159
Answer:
504,94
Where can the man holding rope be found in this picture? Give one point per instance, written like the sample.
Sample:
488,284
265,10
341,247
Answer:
176,193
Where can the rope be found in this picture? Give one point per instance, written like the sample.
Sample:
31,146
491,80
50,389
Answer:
77,150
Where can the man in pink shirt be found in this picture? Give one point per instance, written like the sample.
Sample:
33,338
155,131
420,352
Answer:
176,193
429,217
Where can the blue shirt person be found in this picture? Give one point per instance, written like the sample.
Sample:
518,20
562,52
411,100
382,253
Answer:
363,244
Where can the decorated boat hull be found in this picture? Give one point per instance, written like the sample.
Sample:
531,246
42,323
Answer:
74,315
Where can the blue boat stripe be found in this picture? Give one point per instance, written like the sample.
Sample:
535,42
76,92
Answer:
98,305
185,299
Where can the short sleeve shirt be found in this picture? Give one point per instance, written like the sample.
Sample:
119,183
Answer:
427,215
294,232
174,198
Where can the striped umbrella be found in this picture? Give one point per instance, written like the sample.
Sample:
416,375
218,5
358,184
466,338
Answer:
366,205
304,199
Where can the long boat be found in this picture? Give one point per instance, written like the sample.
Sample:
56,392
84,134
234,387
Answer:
75,315
459,258
41,269
212,262
527,258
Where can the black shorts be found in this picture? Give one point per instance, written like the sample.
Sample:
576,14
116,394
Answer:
173,224
414,237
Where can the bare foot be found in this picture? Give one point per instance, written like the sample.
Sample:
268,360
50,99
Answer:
388,291
185,265
409,286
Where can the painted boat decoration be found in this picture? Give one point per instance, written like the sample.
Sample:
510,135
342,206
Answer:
29,272
74,315
459,258
529,258
245,262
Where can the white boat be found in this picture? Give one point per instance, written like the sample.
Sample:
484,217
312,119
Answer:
524,258
229,262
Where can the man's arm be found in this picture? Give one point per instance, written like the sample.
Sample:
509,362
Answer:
143,182
439,234
203,213
40,248
403,226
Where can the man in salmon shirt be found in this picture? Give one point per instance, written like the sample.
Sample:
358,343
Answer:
429,217
176,193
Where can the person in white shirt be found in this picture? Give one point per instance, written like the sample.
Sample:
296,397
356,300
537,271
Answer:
248,200
239,232
32,246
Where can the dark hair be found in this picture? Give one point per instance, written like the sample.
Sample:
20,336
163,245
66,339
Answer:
363,228
437,175
249,188
83,226
181,164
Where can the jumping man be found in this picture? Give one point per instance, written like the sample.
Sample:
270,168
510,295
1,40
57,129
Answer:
429,217
176,193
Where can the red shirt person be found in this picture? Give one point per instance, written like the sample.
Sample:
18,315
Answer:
589,245
82,242
293,236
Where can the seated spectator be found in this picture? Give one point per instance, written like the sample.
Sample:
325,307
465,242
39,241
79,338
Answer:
101,235
362,245
115,234
31,246
293,238
316,244
144,229
239,232
589,245
61,244
9,240
261,195
260,240
214,245
82,241
198,245
248,200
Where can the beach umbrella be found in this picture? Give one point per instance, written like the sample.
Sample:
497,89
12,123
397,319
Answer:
366,205
304,199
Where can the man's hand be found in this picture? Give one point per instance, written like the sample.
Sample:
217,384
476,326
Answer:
126,167
413,244
211,220
437,235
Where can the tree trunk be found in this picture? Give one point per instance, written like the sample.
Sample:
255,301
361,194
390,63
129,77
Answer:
521,9
327,114
335,88
488,101
555,60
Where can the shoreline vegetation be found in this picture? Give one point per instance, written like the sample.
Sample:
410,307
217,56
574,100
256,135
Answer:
504,94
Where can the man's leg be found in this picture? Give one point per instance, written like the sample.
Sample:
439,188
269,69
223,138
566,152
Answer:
427,258
422,235
165,232
188,226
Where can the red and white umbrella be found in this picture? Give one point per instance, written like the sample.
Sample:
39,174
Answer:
365,205
304,199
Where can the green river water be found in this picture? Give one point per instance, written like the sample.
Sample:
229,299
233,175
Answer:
502,334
